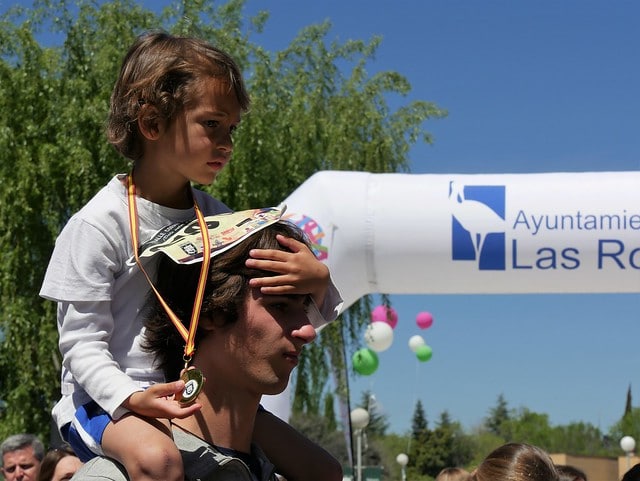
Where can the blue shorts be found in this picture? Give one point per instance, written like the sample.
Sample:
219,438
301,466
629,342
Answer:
84,433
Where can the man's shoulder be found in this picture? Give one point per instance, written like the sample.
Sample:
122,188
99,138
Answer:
198,456
202,461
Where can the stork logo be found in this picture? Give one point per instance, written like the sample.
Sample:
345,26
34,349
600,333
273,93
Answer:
478,224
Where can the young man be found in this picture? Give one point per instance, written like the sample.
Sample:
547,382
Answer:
247,344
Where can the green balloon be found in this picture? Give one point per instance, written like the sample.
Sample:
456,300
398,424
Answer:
424,353
365,361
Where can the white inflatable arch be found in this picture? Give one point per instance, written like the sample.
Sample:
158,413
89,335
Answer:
471,234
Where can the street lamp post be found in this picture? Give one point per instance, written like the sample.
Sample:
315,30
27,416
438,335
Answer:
628,445
402,459
359,421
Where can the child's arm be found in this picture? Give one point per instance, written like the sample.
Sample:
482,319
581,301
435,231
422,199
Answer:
84,337
296,457
299,271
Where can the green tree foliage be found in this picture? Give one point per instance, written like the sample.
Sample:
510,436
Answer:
447,444
530,427
457,443
497,415
444,446
524,425
628,425
390,446
378,421
420,435
314,107
483,442
578,438
54,156
317,429
330,412
419,425
309,388
628,405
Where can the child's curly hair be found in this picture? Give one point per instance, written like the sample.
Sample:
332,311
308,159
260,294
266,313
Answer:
164,72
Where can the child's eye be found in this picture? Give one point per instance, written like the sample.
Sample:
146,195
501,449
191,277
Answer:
233,128
212,124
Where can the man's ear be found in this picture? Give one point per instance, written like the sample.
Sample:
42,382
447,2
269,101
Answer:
149,122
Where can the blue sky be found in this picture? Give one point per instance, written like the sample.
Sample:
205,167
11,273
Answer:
530,87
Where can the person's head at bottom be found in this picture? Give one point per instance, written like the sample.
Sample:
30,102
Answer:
21,457
453,474
516,462
570,473
59,464
633,474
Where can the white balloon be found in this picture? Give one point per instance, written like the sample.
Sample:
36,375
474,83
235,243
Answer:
359,418
379,336
415,342
628,444
402,459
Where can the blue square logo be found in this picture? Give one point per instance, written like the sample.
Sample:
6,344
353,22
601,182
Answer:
478,224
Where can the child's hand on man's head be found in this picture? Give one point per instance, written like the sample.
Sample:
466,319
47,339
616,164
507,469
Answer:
297,272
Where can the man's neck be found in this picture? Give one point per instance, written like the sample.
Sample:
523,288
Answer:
221,426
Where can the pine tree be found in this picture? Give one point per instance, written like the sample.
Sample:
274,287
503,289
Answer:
627,408
418,457
432,450
378,423
419,427
497,416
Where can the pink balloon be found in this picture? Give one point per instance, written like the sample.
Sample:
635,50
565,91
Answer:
424,320
386,314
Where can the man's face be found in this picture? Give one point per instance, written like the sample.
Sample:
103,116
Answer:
257,353
20,465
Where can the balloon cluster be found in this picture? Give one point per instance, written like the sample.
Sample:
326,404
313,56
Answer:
379,336
417,344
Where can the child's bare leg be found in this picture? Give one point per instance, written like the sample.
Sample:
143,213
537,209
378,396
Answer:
145,447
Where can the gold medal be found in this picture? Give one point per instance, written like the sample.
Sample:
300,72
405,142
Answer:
193,383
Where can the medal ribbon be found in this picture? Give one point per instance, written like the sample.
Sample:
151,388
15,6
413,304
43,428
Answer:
187,335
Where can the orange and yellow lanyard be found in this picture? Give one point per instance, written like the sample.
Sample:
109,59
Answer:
187,335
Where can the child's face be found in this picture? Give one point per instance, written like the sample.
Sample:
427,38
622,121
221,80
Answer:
197,144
